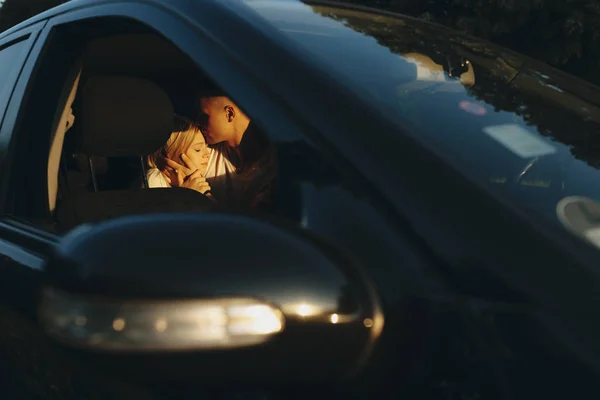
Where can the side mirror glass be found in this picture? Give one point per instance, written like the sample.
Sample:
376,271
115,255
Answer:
235,296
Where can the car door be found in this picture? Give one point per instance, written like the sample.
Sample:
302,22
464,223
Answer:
309,184
19,268
506,333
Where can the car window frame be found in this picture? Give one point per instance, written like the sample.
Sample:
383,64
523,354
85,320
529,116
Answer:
29,35
220,67
13,74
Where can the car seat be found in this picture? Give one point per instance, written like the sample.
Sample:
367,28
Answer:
124,116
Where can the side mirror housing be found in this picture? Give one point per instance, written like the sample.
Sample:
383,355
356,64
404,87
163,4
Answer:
214,295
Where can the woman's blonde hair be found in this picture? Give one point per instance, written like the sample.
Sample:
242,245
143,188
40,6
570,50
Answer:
177,144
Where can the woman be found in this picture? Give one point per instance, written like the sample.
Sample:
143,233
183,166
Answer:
187,144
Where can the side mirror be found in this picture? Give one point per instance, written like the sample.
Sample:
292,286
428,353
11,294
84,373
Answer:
228,296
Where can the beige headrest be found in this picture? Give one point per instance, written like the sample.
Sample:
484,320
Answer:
124,116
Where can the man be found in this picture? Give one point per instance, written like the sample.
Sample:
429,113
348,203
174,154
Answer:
242,164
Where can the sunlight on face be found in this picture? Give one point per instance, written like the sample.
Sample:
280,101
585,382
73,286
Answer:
199,153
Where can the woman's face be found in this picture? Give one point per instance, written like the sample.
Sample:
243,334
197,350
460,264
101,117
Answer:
199,153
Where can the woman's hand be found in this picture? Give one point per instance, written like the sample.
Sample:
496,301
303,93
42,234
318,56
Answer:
185,175
196,181
176,173
174,177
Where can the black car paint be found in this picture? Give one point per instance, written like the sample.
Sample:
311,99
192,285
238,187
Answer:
544,262
314,274
376,222
455,230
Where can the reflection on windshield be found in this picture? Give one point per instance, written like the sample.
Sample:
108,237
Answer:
524,129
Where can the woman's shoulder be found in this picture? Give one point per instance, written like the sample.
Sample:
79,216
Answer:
156,178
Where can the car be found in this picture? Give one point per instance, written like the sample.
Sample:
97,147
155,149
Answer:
434,232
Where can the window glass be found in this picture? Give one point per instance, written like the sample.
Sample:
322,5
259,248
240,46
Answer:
9,61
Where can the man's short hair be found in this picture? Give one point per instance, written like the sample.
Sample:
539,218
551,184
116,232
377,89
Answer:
210,89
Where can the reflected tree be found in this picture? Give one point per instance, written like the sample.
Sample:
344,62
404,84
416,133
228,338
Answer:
551,120
569,114
563,33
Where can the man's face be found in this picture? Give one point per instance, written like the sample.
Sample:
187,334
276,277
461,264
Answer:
216,120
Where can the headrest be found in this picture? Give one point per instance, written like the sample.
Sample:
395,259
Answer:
123,116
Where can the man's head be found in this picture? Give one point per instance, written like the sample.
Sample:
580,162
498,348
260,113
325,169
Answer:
221,119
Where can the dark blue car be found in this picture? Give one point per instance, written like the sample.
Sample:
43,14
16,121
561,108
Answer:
433,231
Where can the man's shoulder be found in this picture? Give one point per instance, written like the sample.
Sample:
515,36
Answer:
269,157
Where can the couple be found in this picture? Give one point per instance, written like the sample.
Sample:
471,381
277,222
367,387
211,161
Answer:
228,160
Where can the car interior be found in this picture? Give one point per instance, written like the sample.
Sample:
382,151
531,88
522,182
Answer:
116,107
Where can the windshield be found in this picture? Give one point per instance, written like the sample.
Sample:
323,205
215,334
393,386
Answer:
527,132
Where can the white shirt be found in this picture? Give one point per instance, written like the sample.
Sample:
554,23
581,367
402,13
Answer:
156,179
228,187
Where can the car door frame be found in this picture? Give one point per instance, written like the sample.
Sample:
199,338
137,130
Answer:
189,37
30,34
21,246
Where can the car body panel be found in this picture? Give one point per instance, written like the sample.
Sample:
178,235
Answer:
544,262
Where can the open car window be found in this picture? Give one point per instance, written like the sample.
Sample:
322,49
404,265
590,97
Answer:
117,101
